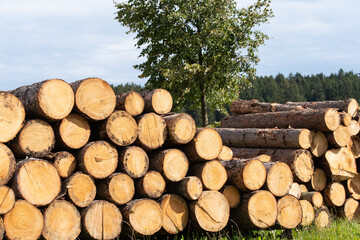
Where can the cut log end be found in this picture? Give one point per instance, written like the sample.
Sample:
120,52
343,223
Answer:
319,144
303,166
121,188
353,128
232,195
121,128
161,101
73,131
65,163
7,164
81,189
134,161
295,190
190,188
318,180
131,102
152,185
352,107
340,164
308,213
332,119
340,137
315,198
181,128
7,199
152,131
226,154
334,195
305,139
208,144
172,163
254,175
279,178
289,212
213,175
353,186
322,217
350,210
262,209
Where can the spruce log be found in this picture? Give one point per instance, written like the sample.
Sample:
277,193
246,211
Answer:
158,101
190,187
353,128
101,220
322,217
7,199
308,213
152,185
295,190
226,154
257,210
7,164
152,131
35,139
94,98
210,212
319,144
171,163
72,132
175,213
326,120
12,114
80,188
98,159
279,178
318,180
265,138
240,106
143,215
181,128
61,221
212,174
353,187
334,195
134,161
50,99
350,105
245,174
232,195
340,137
289,212
24,221
36,181
350,210
65,163
119,128
315,198
345,118
355,146
131,102
117,188
206,145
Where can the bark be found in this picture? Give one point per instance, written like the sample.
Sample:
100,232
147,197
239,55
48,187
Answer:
254,106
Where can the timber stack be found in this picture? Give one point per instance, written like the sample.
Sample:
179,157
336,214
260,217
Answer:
79,161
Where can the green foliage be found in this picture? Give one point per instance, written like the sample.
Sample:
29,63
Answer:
127,87
199,50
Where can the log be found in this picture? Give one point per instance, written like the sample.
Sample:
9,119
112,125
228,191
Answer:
353,128
340,137
240,106
51,100
289,212
257,210
350,210
206,145
143,215
81,189
318,180
158,101
35,139
308,213
98,159
117,188
345,118
315,198
303,188
131,102
189,188
61,221
226,154
353,187
339,164
295,190
319,144
152,185
101,220
7,164
205,216
212,174
36,181
65,163
94,98
322,217
232,195
247,175
326,120
265,138
152,131
134,161
72,132
349,105
334,195
24,221
120,128
171,163
175,213
181,128
12,114
355,146
279,178
7,199
2,228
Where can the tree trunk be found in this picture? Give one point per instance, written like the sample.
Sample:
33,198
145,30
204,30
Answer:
50,99
98,159
240,106
181,128
94,98
226,154
24,221
322,217
152,185
232,195
289,212
334,195
80,189
131,102
212,174
36,181
350,210
65,163
7,164
318,180
158,101
190,188
315,198
279,178
152,131
207,217
319,144
134,161
7,199
61,221
308,213
340,137
265,138
326,120
295,190
12,114
101,220
35,139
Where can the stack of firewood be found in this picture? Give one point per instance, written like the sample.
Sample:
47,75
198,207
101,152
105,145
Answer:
293,162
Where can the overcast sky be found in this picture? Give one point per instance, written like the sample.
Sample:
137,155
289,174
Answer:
75,39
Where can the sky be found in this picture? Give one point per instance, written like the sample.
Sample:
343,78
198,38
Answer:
72,40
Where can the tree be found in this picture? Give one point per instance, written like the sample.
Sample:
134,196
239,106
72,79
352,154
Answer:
200,50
